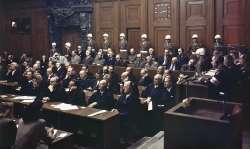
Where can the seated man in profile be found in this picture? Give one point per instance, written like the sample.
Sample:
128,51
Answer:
75,95
145,79
55,92
13,74
102,98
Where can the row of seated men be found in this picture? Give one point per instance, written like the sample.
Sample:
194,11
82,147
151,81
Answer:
28,132
55,81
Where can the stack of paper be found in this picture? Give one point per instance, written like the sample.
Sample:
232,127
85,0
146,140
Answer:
96,113
24,98
28,101
3,96
64,106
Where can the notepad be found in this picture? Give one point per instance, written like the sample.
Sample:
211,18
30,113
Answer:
150,106
62,135
65,107
97,113
24,98
28,101
3,96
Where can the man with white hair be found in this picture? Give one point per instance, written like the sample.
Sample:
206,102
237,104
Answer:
13,75
55,92
106,42
75,59
174,64
91,42
102,98
67,46
144,44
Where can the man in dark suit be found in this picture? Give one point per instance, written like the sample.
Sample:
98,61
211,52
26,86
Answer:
7,133
31,129
69,76
128,106
145,80
88,60
174,65
114,80
55,92
13,74
190,66
84,81
182,57
150,98
60,71
75,95
102,98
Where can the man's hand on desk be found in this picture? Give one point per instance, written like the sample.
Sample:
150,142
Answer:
51,88
51,133
45,99
92,105
114,110
18,88
145,100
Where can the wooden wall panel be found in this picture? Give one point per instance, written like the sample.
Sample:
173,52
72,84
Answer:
106,21
71,36
233,24
196,16
34,43
133,20
163,19
133,35
2,28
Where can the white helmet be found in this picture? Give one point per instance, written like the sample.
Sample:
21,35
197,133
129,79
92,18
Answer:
105,35
122,35
90,35
144,36
195,36
53,44
218,36
68,44
167,37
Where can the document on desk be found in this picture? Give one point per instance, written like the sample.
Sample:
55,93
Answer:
62,135
65,107
150,106
97,113
28,101
24,98
3,96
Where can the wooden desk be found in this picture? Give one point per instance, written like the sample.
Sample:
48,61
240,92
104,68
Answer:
104,128
202,125
191,89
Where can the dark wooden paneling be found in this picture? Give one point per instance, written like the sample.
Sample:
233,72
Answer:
34,43
196,16
71,36
106,21
133,38
133,20
163,19
233,24
2,28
